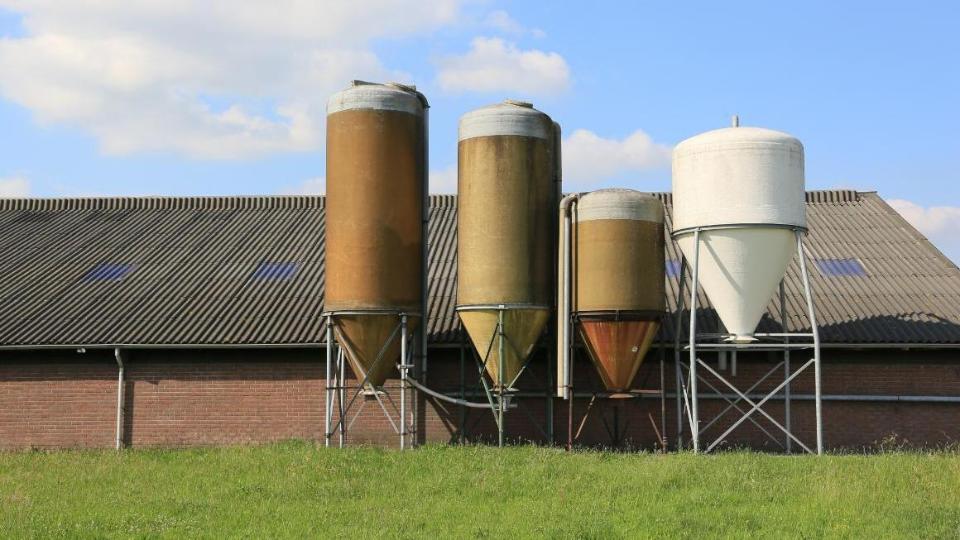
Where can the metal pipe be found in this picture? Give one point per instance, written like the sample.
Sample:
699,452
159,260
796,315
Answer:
694,284
555,253
565,264
754,396
818,389
869,398
118,354
564,341
421,368
444,397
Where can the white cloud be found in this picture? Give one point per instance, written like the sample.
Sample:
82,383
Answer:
14,187
494,65
211,79
502,21
444,180
940,224
310,186
589,158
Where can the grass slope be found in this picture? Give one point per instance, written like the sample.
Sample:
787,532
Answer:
296,489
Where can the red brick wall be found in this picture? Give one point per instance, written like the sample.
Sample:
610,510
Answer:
56,399
51,399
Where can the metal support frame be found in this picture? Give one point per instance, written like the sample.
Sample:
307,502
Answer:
338,405
688,378
500,397
595,395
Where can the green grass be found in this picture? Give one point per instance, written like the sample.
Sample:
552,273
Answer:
299,490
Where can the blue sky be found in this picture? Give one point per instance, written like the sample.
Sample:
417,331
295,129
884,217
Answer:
210,98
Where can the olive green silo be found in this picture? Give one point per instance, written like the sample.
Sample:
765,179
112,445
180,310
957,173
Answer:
507,187
376,175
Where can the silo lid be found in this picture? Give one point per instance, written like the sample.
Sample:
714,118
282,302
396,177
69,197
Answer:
619,203
378,96
509,117
737,136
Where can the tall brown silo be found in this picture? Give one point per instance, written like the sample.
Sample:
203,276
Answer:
376,177
507,189
619,270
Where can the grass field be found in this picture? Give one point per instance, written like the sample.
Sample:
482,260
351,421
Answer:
297,489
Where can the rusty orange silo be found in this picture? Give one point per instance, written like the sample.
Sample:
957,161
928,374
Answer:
617,298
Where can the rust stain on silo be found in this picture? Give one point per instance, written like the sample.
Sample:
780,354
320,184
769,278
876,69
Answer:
619,286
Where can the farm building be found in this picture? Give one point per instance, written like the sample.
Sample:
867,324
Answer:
203,314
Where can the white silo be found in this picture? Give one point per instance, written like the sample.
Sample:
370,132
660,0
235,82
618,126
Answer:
741,190
739,217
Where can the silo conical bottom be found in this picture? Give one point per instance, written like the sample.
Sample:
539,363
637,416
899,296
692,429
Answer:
740,270
522,328
617,349
362,338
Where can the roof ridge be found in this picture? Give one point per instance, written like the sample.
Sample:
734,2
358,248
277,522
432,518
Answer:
833,195
186,202
234,202
203,202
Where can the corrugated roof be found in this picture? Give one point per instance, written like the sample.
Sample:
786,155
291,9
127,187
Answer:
193,275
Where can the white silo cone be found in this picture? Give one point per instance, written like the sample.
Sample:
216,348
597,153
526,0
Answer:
750,180
740,270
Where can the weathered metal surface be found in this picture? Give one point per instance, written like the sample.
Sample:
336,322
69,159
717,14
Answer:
617,348
375,183
506,186
618,264
521,327
374,200
367,337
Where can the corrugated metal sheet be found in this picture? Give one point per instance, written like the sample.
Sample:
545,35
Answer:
194,262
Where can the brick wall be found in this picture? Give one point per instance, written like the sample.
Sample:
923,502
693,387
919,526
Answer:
52,399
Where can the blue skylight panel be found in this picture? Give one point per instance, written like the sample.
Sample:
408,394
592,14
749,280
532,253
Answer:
841,267
673,268
109,272
275,270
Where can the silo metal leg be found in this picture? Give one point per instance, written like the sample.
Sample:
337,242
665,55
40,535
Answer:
786,367
403,380
463,386
694,396
341,392
328,402
500,375
548,405
678,383
801,251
